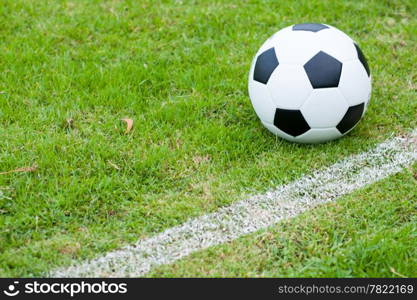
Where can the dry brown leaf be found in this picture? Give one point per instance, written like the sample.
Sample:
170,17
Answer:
112,212
129,125
70,248
200,159
69,123
21,170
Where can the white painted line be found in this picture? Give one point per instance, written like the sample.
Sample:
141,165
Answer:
252,214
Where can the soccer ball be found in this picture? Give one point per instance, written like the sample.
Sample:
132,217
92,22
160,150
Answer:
309,83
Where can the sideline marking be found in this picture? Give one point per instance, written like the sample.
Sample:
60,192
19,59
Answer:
252,214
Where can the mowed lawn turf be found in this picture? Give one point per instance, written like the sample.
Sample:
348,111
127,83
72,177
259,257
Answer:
70,70
369,233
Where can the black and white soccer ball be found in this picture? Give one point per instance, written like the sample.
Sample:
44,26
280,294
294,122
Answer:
309,83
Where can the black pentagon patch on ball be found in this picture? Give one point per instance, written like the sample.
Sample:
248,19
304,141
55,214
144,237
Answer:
323,70
266,63
290,121
362,59
351,118
309,27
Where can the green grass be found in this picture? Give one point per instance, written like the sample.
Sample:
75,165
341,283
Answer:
372,232
178,69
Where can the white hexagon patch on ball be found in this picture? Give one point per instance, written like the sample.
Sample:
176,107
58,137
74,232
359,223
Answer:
309,83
